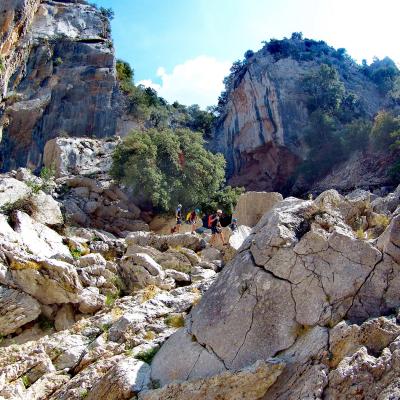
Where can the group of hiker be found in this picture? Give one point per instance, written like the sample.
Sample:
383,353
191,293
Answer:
212,221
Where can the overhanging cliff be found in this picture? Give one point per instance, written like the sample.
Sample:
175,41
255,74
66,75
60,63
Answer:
264,115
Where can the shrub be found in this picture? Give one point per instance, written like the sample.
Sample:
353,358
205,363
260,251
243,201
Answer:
26,382
325,146
382,221
107,13
22,204
45,324
164,168
360,234
2,64
110,299
58,61
76,253
148,293
394,171
125,72
383,73
147,355
226,199
149,335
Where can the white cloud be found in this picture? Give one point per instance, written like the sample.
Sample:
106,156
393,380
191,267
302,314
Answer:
197,81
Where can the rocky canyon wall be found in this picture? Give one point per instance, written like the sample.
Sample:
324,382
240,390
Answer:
58,77
262,126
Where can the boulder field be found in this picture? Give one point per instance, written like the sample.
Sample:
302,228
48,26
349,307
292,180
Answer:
303,304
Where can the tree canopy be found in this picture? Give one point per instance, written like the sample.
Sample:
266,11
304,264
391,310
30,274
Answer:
166,167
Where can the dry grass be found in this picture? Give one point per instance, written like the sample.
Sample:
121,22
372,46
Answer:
149,293
382,221
21,265
197,297
360,234
149,335
175,320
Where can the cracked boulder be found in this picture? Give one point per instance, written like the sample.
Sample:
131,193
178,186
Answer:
301,270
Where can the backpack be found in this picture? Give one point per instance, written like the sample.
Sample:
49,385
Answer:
210,221
188,216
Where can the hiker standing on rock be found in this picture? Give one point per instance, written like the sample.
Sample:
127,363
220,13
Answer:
216,228
192,219
178,216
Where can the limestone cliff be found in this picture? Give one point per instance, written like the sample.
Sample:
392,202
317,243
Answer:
57,76
264,115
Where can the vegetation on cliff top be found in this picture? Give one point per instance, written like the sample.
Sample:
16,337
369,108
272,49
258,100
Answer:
144,104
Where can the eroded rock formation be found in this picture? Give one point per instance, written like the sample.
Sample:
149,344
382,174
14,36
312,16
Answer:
58,77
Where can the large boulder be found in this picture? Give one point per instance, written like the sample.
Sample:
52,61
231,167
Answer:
45,209
12,191
140,270
49,281
78,156
365,375
388,204
38,238
16,309
239,236
301,271
123,381
252,206
247,384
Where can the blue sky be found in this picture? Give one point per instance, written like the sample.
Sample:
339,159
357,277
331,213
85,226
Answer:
183,48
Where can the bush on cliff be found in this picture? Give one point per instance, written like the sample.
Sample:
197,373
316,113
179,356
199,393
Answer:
166,167
324,88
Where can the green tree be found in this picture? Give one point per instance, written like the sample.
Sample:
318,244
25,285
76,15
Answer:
356,135
125,72
165,167
386,130
226,199
324,88
325,146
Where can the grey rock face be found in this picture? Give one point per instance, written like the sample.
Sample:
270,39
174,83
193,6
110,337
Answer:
62,84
